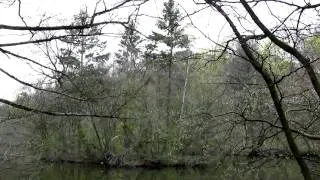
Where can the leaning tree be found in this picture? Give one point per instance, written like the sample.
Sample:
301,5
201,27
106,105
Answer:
290,30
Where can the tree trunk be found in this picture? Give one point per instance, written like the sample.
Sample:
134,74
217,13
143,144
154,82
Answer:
169,87
291,50
184,90
273,92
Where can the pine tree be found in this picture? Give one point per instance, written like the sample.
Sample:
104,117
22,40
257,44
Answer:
128,56
173,37
83,51
127,59
84,48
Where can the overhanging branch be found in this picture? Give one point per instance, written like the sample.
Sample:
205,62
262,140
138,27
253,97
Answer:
37,111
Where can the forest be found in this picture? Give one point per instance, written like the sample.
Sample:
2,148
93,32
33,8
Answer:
153,100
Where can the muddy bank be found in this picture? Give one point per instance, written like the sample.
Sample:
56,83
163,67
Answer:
114,161
281,153
120,162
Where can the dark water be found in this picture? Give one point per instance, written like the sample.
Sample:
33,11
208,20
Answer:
286,169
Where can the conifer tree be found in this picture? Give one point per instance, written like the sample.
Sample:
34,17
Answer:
172,35
129,53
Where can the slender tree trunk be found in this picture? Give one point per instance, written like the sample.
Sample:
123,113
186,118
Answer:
126,134
101,144
82,50
159,96
170,63
184,91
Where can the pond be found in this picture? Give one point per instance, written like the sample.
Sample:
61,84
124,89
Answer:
262,170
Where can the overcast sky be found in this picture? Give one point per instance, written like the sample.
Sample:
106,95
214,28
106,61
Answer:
62,11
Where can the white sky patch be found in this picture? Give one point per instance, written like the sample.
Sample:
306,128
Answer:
60,12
